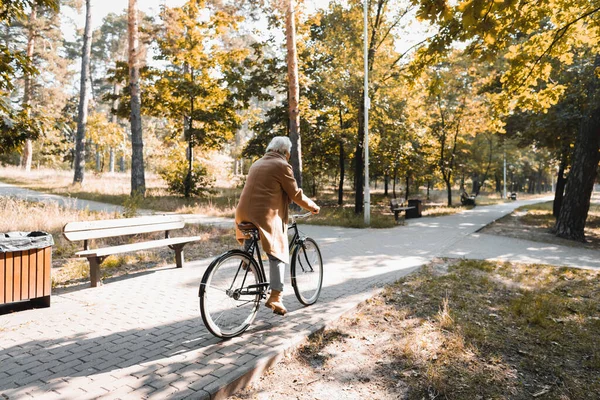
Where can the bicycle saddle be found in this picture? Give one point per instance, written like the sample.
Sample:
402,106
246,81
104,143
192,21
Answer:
247,226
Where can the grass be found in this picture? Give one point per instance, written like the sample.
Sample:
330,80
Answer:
473,329
114,189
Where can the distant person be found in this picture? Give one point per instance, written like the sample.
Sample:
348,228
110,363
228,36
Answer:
270,188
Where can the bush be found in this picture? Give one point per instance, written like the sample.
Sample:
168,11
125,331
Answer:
176,175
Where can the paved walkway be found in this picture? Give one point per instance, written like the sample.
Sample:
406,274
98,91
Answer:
142,336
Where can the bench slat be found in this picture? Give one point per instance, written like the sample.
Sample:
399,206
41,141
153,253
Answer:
106,251
85,230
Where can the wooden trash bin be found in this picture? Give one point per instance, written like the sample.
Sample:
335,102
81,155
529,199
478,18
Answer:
25,264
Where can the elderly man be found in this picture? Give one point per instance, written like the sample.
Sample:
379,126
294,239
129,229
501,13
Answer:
270,188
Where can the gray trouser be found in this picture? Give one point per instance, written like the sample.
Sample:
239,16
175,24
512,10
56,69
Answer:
276,270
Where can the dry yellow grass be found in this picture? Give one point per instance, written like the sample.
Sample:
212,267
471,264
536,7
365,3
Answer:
21,215
61,182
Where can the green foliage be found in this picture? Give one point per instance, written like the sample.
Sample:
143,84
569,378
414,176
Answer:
19,123
177,174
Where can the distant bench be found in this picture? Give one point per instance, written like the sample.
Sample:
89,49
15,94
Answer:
467,199
89,230
397,208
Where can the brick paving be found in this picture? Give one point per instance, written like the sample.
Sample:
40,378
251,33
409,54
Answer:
142,336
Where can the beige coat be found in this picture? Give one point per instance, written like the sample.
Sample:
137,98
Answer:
270,188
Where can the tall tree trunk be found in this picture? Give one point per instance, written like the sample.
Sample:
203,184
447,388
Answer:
27,155
560,191
428,188
394,182
342,173
98,159
386,183
341,160
561,182
586,156
111,160
449,189
359,197
293,91
114,119
84,96
407,193
138,181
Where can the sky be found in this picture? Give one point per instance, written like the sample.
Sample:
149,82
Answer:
101,8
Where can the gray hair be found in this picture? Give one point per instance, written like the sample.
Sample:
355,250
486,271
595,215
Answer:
280,144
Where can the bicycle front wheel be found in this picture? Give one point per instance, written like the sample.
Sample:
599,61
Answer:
307,271
230,293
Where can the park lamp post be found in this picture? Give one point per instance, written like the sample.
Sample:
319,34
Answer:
367,208
505,175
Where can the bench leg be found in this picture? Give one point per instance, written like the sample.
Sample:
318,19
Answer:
178,248
396,213
95,270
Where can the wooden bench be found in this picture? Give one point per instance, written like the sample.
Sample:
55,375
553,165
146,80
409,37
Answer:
397,207
89,230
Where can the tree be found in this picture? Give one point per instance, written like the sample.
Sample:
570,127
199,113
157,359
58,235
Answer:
27,89
138,181
197,89
532,36
293,91
17,126
84,93
108,50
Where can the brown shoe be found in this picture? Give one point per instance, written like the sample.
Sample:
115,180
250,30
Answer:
274,303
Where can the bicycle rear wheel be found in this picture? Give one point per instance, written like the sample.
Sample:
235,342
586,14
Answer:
307,271
230,294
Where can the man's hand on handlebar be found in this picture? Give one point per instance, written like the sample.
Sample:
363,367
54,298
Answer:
316,209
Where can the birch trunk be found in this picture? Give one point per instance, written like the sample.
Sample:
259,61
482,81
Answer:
84,96
138,183
294,92
27,156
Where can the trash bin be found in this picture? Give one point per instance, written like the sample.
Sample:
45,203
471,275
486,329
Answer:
417,211
25,263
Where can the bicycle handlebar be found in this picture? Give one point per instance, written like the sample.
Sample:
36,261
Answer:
300,216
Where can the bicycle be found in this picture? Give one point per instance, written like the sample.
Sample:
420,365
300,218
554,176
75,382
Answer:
235,282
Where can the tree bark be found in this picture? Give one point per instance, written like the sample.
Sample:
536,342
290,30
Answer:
293,92
84,96
138,182
114,119
407,193
111,160
449,189
394,182
580,184
27,156
359,197
98,159
386,183
560,188
342,173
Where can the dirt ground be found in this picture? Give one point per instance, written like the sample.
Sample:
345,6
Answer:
535,224
457,329
473,331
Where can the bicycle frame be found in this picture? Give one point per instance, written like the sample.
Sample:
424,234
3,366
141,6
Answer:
254,248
